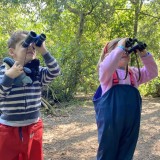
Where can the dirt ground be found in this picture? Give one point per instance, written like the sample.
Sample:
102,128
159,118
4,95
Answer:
73,136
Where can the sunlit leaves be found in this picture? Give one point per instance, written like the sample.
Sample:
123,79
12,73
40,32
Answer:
78,52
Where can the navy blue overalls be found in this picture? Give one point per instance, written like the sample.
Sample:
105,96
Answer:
118,113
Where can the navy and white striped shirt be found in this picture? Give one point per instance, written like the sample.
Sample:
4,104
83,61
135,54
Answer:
20,105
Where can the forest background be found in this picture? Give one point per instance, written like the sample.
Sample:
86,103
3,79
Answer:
77,30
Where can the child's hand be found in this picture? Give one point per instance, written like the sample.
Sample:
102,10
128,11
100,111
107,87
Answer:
142,53
15,70
42,49
122,42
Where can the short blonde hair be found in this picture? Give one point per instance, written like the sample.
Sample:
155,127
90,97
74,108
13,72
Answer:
15,38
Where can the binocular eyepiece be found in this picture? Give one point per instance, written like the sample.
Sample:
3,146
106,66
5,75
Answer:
130,42
32,37
139,45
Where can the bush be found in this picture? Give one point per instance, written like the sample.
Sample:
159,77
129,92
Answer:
151,88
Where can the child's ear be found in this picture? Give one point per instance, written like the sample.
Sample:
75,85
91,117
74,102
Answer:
11,52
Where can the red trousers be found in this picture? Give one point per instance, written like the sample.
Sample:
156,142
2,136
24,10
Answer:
21,143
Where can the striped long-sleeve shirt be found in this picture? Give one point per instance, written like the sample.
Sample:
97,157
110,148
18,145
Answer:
20,105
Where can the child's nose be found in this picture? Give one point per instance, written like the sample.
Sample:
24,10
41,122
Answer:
31,46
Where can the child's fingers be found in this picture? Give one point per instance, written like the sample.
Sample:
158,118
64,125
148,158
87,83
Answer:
19,66
16,63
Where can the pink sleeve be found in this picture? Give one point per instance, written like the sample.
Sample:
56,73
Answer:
109,65
148,71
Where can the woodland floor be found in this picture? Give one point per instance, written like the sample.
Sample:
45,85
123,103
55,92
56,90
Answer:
73,135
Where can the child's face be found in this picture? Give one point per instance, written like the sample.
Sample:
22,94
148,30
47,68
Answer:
124,61
21,54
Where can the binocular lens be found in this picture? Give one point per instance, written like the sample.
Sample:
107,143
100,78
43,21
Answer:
40,40
43,36
129,42
33,34
29,39
32,37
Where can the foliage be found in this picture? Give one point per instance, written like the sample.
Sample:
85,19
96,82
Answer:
152,88
76,32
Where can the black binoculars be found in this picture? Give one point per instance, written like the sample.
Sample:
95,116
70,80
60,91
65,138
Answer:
32,37
139,45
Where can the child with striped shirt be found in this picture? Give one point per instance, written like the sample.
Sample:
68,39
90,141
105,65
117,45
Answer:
20,124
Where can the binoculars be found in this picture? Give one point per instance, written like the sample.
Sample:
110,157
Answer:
10,62
32,37
138,46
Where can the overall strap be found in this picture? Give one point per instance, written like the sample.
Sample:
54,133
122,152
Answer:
131,77
116,78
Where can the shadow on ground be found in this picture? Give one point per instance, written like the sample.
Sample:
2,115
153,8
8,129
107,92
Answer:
74,137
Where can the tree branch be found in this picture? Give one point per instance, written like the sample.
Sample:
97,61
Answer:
139,12
149,15
92,8
73,10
